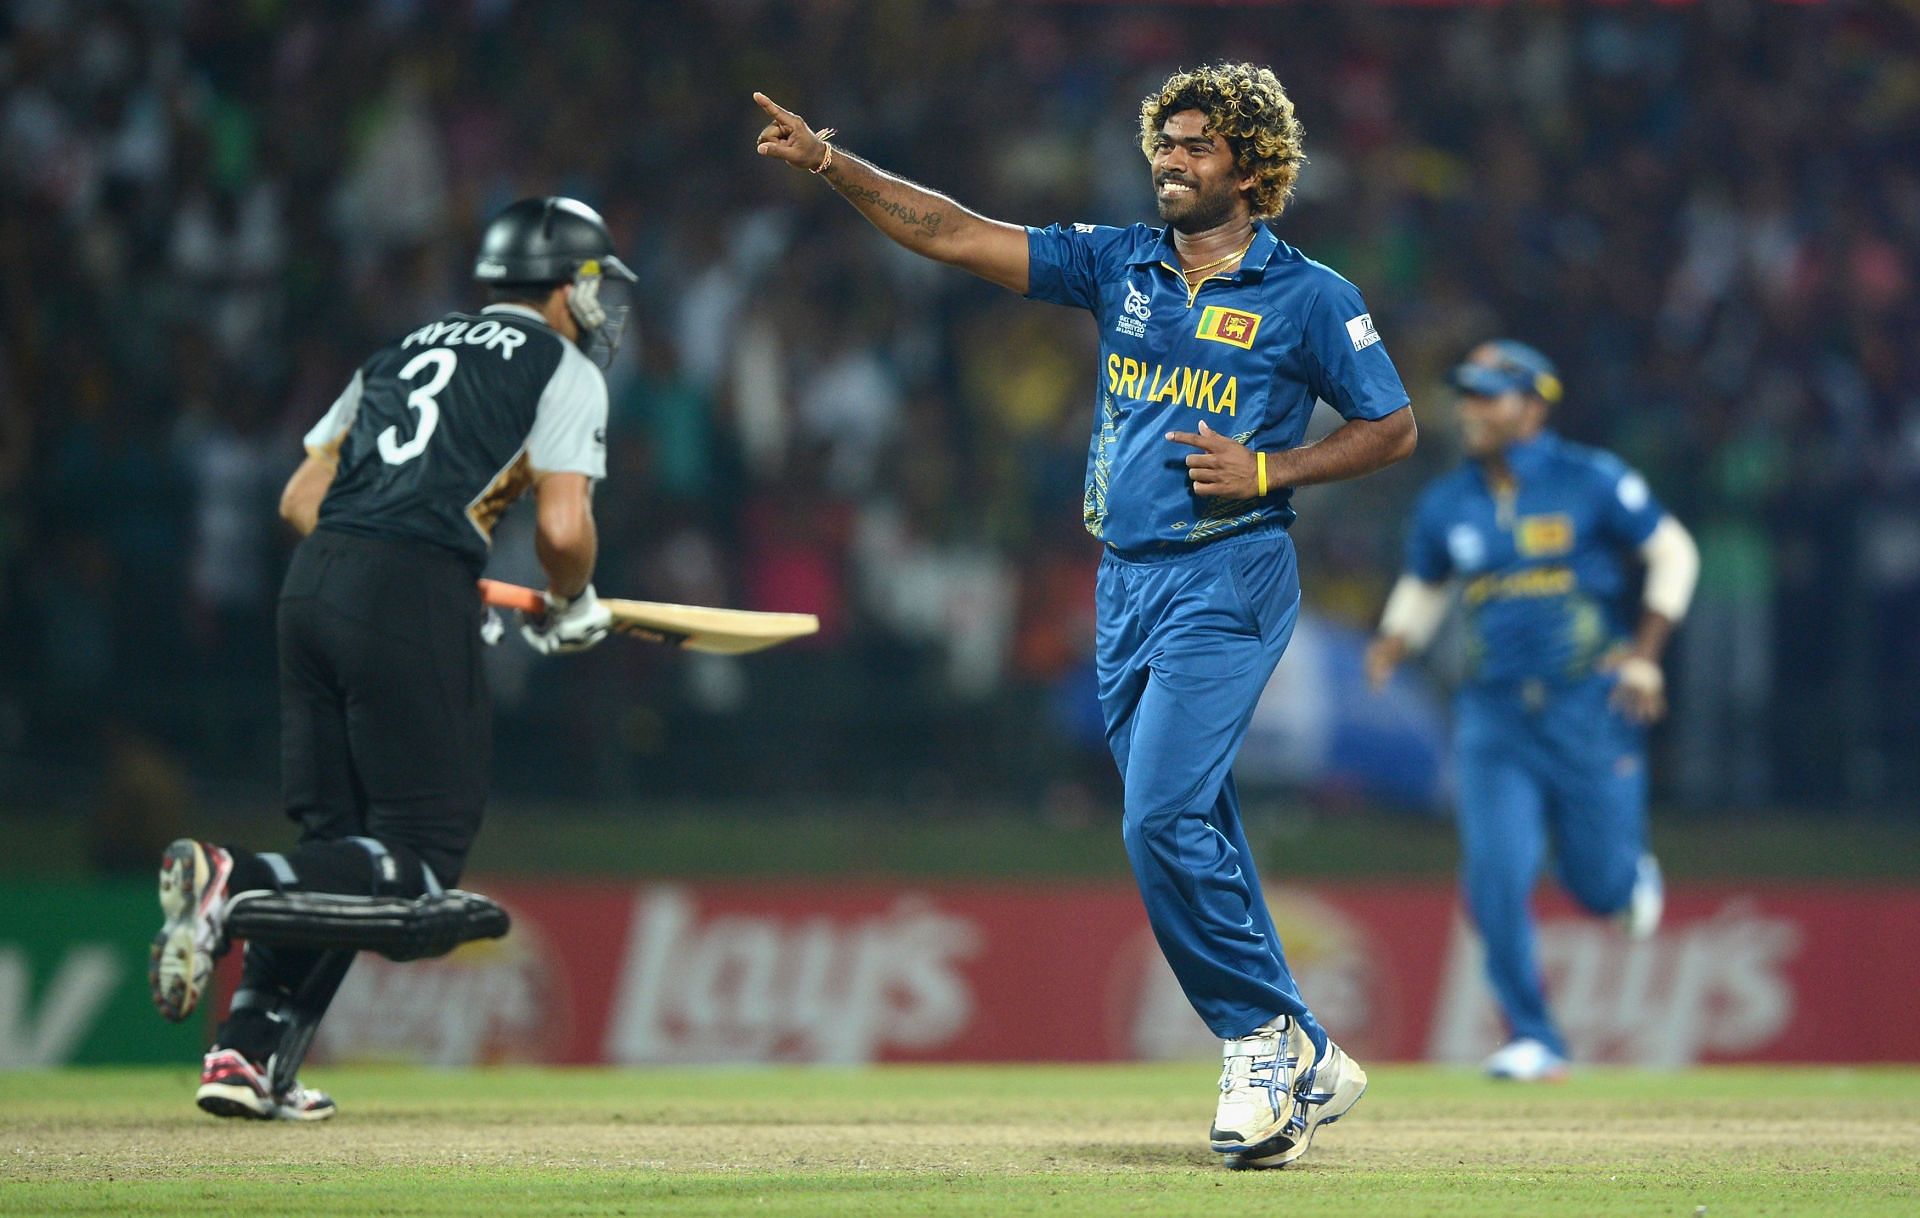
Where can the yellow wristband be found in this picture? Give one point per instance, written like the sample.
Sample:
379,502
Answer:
1260,464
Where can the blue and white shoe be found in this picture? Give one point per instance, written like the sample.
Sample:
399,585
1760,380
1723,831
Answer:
1648,902
1257,1076
1526,1060
1275,1091
1336,1084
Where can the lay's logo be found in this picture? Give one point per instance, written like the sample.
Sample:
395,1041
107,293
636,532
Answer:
1228,326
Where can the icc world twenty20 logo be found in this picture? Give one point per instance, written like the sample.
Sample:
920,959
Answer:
1136,310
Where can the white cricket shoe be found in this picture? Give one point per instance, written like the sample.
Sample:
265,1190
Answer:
1644,908
1275,1091
1257,1074
1526,1060
193,894
1323,1095
299,1103
232,1085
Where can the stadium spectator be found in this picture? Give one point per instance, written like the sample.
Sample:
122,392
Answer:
1710,212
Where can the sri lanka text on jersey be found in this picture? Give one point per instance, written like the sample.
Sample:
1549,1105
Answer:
1180,384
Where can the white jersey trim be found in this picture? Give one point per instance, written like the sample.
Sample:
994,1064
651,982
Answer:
1415,609
569,434
1673,569
324,437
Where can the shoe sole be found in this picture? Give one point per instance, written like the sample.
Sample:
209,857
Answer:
1257,1158
1265,1137
179,965
227,1100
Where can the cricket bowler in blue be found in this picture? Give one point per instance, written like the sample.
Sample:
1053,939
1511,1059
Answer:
1216,340
1549,728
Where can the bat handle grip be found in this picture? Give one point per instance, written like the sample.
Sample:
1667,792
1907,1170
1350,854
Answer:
512,596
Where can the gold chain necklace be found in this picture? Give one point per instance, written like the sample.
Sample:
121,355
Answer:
1190,272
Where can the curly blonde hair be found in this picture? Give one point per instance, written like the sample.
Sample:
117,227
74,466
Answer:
1247,106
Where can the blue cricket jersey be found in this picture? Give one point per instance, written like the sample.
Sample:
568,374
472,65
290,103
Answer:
1248,352
1541,558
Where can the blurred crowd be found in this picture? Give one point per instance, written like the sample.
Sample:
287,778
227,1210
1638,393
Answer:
209,213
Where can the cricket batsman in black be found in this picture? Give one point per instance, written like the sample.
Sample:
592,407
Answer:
385,718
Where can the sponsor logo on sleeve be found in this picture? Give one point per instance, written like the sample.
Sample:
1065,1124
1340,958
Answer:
1361,331
1229,326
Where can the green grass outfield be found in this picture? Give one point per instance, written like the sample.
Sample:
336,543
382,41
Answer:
810,841
963,1140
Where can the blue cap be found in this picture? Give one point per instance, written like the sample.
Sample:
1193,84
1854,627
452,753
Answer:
1506,366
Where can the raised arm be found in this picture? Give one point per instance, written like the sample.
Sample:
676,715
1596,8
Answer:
925,221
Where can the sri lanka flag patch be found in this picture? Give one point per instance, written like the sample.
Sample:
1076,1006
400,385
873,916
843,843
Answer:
1229,326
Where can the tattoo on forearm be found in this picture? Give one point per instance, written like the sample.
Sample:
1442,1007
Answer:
927,222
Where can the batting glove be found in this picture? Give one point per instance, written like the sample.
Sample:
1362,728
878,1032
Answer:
569,624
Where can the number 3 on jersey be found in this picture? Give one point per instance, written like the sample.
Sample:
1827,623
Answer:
421,399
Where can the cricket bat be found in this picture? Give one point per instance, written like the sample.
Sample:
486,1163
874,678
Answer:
727,632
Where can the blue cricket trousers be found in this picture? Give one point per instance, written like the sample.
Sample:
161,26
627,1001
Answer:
1544,763
1187,640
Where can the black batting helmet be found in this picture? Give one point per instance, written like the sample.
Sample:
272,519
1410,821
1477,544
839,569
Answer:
553,240
546,240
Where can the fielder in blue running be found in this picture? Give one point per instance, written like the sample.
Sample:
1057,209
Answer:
1549,731
1216,340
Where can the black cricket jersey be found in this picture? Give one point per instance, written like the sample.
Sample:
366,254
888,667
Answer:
441,430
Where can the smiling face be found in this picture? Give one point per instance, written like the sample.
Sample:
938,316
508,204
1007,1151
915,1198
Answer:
1196,183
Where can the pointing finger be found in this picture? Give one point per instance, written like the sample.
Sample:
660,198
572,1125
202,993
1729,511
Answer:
1214,441
1206,438
776,109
